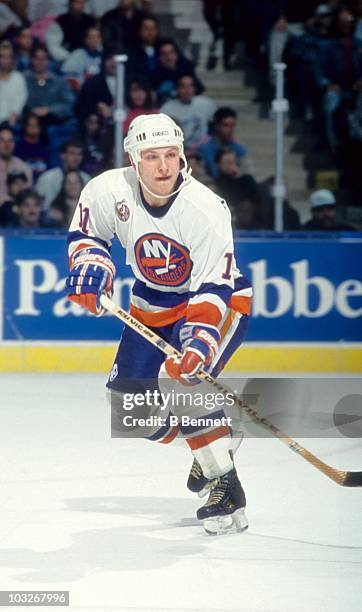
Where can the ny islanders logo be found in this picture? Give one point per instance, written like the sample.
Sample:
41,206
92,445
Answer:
162,260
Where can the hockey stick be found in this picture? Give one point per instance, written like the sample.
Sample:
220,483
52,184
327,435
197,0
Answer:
341,477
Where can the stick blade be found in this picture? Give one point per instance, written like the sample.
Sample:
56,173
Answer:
353,479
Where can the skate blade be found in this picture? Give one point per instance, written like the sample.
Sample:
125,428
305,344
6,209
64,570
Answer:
222,525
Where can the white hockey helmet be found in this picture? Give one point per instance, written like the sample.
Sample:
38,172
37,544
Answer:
154,132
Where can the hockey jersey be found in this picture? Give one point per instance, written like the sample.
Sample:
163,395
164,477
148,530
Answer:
181,254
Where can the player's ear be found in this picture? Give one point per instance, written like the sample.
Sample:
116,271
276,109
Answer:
128,158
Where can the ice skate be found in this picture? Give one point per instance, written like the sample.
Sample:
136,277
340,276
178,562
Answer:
224,511
197,482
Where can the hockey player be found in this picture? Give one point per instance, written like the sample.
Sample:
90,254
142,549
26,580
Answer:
178,240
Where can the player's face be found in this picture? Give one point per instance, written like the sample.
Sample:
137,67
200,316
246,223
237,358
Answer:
159,169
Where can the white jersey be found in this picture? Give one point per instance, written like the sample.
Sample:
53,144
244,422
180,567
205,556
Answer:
181,254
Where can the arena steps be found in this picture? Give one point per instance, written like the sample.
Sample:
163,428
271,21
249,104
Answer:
238,89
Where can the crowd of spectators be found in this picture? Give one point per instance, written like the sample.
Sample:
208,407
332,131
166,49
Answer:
58,88
321,44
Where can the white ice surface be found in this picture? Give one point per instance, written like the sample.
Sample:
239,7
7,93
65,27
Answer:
112,521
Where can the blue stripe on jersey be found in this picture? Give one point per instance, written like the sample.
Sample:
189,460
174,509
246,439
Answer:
75,236
241,282
163,299
224,292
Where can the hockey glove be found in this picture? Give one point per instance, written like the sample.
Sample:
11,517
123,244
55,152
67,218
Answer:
199,347
91,273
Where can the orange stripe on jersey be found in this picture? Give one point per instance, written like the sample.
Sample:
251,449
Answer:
227,324
160,317
240,303
203,312
207,438
171,436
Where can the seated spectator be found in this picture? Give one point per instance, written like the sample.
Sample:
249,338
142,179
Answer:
24,43
16,183
50,97
247,204
171,64
84,63
291,220
198,169
142,54
29,212
192,113
50,182
13,91
231,186
139,100
96,137
324,213
339,72
63,206
67,32
119,26
31,148
9,163
224,125
227,168
98,93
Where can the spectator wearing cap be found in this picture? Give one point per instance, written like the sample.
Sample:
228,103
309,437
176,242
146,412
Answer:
224,125
16,182
324,213
9,163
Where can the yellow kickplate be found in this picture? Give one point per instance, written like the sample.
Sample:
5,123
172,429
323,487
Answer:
98,357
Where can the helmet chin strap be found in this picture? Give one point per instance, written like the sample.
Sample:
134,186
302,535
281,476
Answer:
186,175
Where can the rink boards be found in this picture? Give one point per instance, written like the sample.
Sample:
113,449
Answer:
306,312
